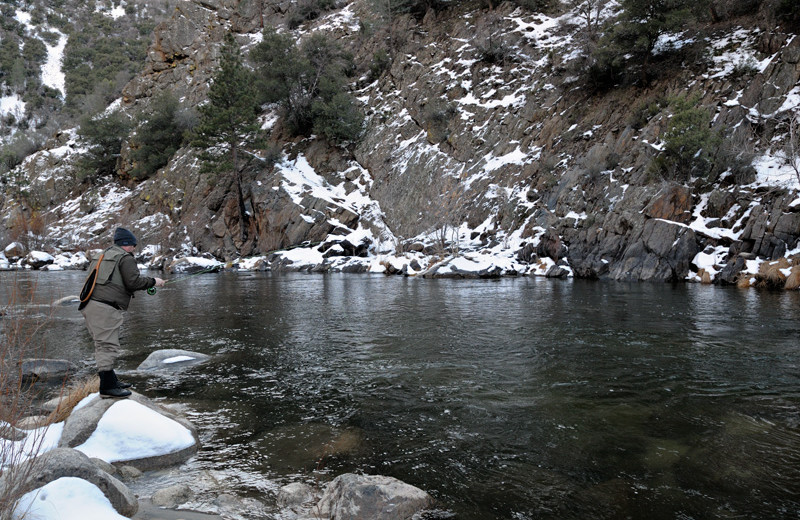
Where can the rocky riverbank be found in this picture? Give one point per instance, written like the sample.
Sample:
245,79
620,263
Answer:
351,255
96,461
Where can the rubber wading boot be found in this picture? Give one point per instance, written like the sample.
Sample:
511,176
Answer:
118,383
109,388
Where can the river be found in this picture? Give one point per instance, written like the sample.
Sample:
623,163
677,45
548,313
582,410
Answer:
517,398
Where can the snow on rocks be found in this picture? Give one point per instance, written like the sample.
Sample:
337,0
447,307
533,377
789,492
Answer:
172,360
62,477
134,432
38,259
16,256
14,251
194,264
67,498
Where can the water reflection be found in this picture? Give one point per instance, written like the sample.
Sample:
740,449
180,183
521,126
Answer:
518,398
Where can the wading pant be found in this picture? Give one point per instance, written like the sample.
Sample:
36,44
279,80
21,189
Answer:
103,322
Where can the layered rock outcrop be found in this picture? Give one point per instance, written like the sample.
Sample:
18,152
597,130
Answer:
514,147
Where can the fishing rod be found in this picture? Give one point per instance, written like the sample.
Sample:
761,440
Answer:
152,290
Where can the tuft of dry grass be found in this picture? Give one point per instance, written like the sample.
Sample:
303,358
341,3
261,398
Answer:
70,397
744,280
793,280
705,276
770,274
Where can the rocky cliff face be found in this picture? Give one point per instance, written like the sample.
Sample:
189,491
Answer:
512,156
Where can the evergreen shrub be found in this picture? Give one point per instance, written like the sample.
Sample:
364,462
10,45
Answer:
160,133
104,136
309,83
689,142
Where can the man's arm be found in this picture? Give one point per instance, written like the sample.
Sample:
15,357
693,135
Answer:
133,280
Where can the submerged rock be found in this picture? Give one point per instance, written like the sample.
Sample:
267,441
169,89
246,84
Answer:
44,369
67,300
172,360
295,494
172,496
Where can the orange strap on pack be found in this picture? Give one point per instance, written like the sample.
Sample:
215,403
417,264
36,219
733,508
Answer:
91,280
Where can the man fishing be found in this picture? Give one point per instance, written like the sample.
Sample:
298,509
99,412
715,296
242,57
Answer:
112,280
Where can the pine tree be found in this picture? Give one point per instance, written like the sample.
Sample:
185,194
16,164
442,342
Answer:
159,136
630,42
104,136
310,84
228,120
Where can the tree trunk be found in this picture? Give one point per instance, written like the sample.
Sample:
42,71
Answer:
244,222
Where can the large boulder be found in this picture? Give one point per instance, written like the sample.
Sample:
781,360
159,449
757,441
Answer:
65,462
134,432
38,259
372,497
14,251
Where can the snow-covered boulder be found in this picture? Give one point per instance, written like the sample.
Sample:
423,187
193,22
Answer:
172,360
66,498
38,259
76,261
14,251
463,267
194,264
133,431
64,463
371,497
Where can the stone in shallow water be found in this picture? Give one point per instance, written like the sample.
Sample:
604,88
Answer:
373,497
172,360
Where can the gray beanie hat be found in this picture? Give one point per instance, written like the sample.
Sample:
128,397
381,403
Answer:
123,237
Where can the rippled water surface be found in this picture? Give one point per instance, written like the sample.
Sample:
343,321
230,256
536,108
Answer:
518,398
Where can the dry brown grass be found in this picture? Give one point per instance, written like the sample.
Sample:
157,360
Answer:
705,276
793,280
70,397
770,274
744,280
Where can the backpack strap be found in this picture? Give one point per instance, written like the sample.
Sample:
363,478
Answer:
91,280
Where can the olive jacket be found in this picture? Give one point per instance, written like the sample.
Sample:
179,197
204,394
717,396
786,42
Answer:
118,278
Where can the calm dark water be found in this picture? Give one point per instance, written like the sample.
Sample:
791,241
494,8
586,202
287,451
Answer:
513,399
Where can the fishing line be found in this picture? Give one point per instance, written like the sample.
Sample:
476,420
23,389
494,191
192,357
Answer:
152,290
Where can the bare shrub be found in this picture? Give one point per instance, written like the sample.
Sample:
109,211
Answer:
19,339
793,145
445,213
735,156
